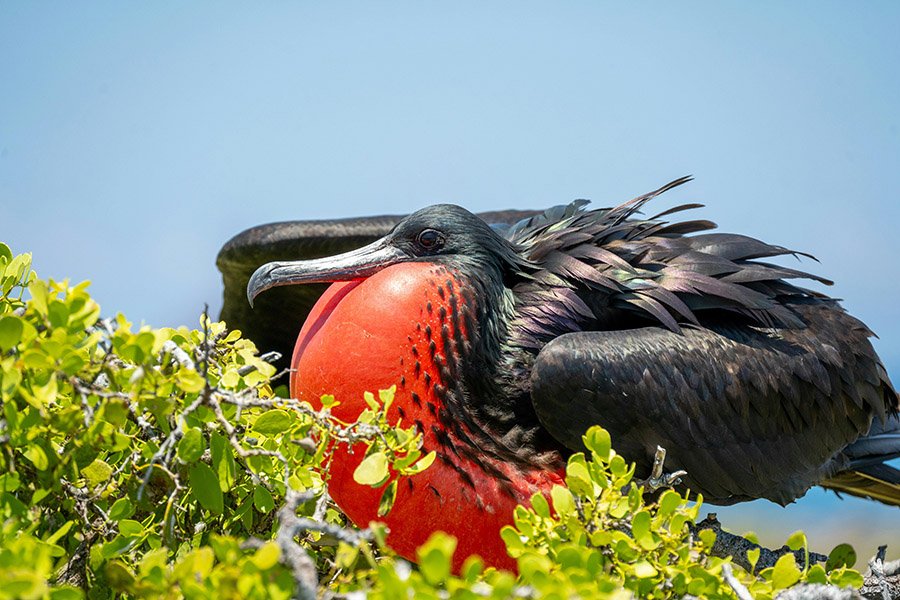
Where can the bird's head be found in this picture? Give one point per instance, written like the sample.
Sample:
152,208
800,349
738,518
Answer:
441,234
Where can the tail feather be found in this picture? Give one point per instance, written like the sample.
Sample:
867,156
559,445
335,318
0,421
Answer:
867,475
878,482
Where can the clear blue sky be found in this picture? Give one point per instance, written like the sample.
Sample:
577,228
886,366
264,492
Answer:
135,138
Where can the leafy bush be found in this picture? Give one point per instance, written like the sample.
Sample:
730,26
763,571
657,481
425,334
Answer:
153,462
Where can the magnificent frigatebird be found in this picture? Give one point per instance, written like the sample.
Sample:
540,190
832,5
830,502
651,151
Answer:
507,344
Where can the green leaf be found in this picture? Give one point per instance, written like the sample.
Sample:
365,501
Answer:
191,446
472,567
267,556
644,570
753,558
640,530
66,593
373,470
421,464
785,574
846,578
9,482
619,467
130,528
540,505
118,575
387,396
577,476
14,273
435,556
60,532
708,537
11,328
513,540
121,509
118,545
262,499
273,421
223,460
205,487
190,381
668,502
97,472
796,541
58,313
387,499
563,501
843,555
597,440
115,412
37,456
816,574
751,537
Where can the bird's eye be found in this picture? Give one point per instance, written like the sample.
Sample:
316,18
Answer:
429,239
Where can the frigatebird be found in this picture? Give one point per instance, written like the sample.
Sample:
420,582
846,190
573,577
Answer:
507,343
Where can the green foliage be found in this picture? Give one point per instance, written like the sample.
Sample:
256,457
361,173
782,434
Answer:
151,463
141,461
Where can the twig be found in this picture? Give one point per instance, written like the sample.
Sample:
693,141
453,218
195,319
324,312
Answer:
303,568
739,590
180,356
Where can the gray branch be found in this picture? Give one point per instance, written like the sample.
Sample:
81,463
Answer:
818,591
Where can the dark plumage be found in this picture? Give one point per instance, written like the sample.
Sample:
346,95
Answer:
663,335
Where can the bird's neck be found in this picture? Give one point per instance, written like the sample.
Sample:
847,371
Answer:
486,376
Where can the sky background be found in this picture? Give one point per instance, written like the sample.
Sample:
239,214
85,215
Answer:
136,138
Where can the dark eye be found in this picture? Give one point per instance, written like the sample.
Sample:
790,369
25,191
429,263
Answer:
429,239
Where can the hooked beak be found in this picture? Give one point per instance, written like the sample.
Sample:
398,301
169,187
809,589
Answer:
356,264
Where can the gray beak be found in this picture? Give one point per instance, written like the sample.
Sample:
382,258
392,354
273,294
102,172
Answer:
356,264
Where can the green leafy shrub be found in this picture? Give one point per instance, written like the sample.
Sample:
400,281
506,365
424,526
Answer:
151,463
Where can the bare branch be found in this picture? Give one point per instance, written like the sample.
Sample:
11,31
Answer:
739,590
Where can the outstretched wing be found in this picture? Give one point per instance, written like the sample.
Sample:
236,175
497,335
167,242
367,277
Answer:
279,313
748,412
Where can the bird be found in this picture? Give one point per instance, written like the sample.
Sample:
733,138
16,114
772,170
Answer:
506,342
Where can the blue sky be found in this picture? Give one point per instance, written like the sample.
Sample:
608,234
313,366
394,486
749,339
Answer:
136,138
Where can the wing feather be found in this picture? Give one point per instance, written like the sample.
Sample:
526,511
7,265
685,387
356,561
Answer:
745,413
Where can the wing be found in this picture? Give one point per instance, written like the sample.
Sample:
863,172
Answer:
748,412
279,313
